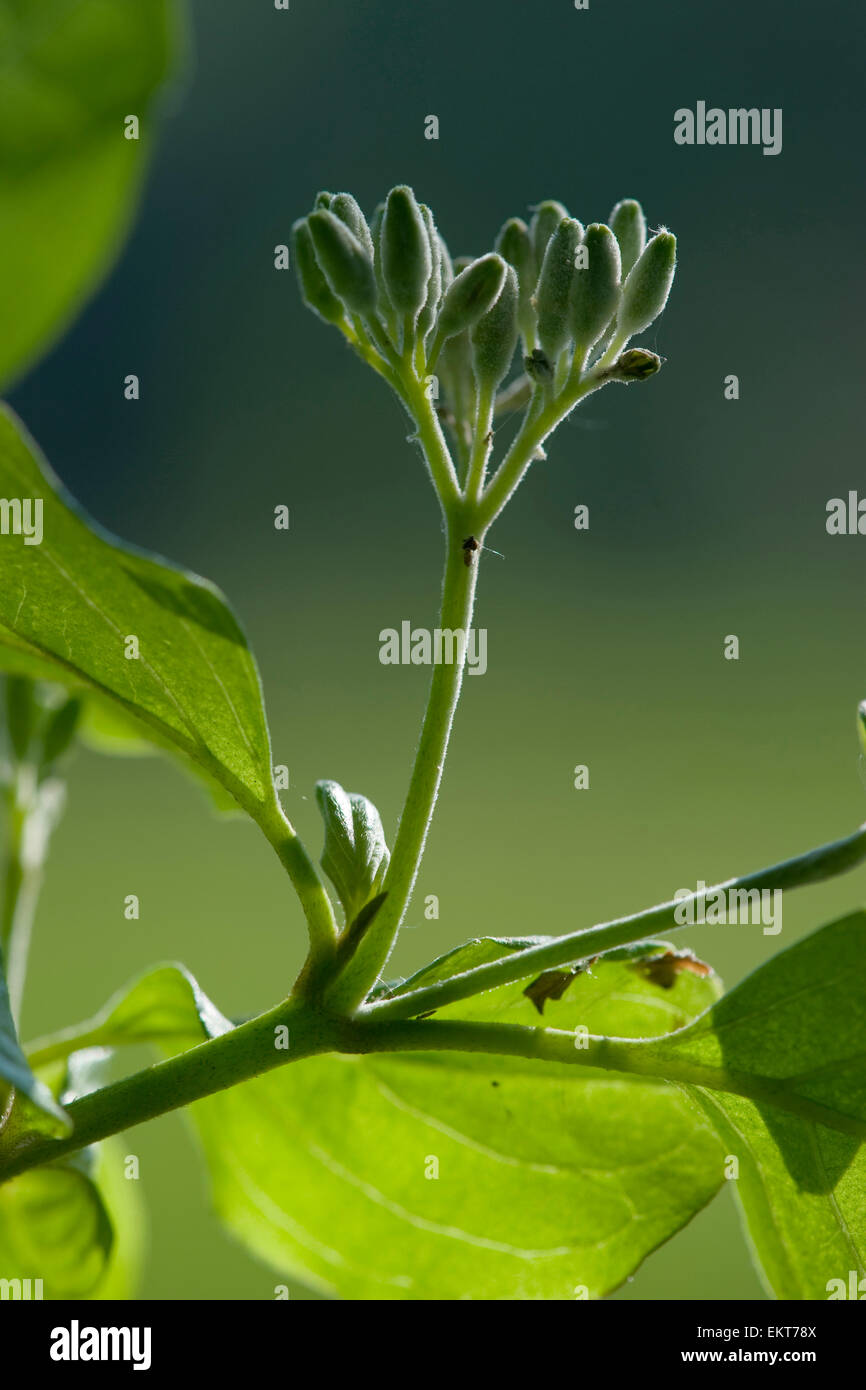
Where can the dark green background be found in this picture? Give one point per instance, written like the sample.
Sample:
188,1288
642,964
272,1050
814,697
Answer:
605,648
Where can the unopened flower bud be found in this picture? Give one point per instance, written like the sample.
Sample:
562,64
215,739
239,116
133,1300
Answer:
347,267
554,285
494,336
645,292
315,290
344,206
324,200
594,293
514,244
469,296
629,227
546,218
427,316
406,258
635,364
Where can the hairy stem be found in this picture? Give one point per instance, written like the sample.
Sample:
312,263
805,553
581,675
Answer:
215,1065
812,867
306,882
458,596
31,811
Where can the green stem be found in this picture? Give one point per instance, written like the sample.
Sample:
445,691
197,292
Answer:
215,1065
644,1057
529,438
481,445
29,825
812,867
434,445
319,912
458,596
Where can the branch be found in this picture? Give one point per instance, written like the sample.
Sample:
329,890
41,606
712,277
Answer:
835,858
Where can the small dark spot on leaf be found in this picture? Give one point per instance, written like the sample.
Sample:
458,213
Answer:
494,1083
663,970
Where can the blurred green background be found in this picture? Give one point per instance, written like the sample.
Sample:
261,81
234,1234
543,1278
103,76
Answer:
605,647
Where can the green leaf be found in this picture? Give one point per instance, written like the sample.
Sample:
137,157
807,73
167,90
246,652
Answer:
550,1179
800,1188
164,1005
69,179
69,604
792,1035
76,1226
483,950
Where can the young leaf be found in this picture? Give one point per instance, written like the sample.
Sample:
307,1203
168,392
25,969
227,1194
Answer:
161,644
454,1176
355,856
165,1005
69,176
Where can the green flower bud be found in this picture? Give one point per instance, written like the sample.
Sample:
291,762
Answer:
315,291
594,293
469,296
554,285
427,316
347,267
323,200
355,856
645,292
406,259
635,365
545,220
386,308
514,244
447,264
344,206
494,336
629,227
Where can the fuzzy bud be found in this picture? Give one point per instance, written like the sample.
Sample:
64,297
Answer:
635,364
554,285
406,258
629,227
346,265
546,218
645,292
315,290
469,296
494,336
594,293
344,206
